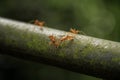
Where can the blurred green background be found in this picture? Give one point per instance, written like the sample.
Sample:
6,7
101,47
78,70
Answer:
97,18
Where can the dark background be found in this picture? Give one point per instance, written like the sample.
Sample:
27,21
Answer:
97,18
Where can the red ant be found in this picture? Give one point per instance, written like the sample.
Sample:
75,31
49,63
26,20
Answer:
68,37
54,41
74,31
39,23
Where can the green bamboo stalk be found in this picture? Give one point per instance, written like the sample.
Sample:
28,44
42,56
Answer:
84,54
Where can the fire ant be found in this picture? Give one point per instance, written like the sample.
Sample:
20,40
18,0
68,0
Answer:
67,37
52,38
74,31
54,41
39,23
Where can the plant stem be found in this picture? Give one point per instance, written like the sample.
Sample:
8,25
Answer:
84,54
